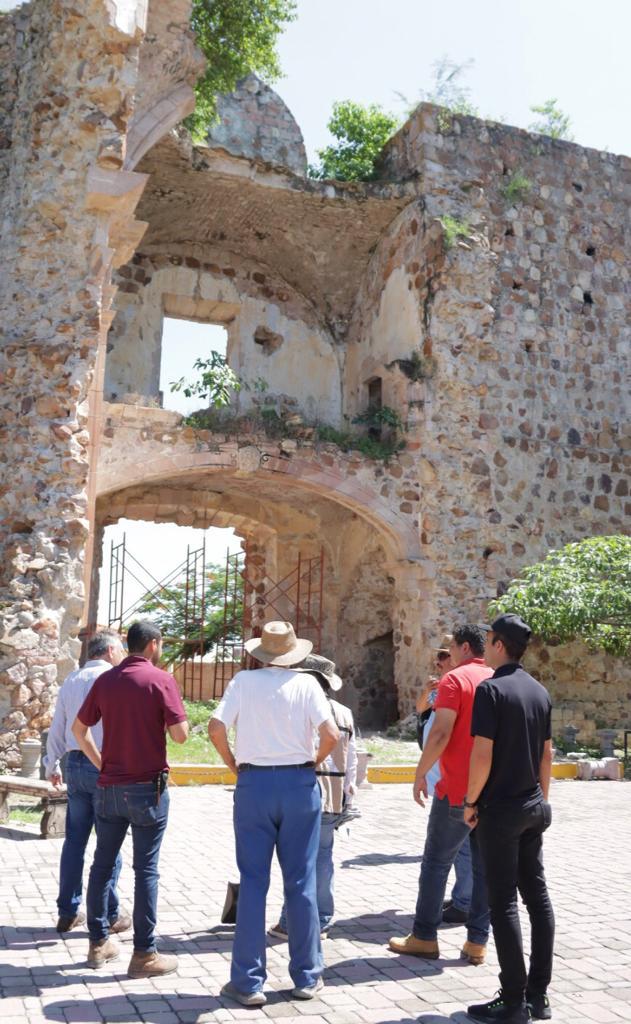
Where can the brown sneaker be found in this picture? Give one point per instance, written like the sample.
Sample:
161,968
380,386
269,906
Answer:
66,924
427,948
151,965
102,952
121,924
474,952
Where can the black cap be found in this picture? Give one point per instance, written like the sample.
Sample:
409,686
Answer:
510,626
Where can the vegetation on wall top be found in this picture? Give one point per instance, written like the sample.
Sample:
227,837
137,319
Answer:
361,131
236,37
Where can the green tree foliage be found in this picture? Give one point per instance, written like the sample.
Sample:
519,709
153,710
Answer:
582,591
361,132
552,121
181,633
236,37
216,382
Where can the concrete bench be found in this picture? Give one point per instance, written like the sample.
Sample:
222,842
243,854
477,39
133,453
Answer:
53,823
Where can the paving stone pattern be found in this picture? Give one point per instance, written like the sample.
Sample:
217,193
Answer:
43,978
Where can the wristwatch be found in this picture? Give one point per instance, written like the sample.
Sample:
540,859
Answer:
467,804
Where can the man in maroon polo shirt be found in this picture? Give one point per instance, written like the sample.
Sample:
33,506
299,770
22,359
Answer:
450,740
137,703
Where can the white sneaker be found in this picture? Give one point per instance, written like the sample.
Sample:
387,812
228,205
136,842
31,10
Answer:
310,992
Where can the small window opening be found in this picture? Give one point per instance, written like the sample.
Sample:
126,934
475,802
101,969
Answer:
184,342
517,285
590,250
587,299
375,403
575,185
487,552
509,233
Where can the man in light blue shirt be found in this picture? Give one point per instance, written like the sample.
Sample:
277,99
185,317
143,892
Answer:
105,649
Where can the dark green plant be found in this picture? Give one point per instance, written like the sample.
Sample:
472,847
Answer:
418,367
361,132
383,416
552,121
453,229
582,591
217,381
516,188
372,448
236,37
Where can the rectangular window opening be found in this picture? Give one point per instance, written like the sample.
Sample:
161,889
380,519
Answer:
183,342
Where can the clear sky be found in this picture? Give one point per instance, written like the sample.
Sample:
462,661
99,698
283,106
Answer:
525,51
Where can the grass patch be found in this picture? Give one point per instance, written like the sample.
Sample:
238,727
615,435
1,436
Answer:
453,229
390,751
25,814
517,188
198,749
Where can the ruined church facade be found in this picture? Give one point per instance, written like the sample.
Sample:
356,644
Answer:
503,350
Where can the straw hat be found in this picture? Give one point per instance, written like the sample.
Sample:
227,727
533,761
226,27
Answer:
278,645
444,647
323,667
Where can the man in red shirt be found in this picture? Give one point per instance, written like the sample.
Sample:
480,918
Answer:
137,703
450,740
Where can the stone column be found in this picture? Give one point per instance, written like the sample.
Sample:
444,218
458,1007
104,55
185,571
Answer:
414,628
260,565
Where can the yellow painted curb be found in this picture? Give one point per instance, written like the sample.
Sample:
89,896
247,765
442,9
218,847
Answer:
391,772
201,775
217,774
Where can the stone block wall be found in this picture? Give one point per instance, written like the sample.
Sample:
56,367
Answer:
254,122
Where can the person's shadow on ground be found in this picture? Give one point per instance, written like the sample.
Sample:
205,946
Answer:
365,860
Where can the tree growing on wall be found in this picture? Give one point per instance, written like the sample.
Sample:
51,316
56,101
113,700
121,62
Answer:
361,131
181,633
236,37
582,591
552,121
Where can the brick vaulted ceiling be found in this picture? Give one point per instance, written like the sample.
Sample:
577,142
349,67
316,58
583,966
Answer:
317,236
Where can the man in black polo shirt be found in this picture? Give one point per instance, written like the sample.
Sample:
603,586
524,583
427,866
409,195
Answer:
507,799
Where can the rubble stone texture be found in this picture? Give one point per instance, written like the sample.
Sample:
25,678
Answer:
506,354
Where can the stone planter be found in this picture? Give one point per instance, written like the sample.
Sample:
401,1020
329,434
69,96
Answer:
30,751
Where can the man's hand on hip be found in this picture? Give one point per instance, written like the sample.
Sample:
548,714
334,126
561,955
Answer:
55,779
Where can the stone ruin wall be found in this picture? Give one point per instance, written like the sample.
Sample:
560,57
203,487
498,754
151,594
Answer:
519,430
273,333
67,96
516,439
254,122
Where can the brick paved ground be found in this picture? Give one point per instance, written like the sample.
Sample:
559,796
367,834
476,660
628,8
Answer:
588,856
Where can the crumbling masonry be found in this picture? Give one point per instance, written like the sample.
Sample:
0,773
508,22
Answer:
506,354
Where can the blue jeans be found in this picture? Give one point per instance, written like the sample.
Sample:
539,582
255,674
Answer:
277,809
81,778
461,892
446,832
324,875
118,807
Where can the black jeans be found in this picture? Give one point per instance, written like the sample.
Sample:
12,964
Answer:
510,838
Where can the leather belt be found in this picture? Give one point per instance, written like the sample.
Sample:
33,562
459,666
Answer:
245,767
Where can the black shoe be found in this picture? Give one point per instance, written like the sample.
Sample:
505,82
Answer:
447,904
498,1010
539,1007
454,916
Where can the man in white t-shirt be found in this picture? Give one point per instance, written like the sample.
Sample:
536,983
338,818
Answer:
276,711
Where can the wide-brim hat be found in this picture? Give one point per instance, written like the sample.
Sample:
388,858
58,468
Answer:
278,645
445,644
322,667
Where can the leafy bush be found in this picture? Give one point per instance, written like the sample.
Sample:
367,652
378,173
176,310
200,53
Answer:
236,37
582,591
552,121
361,132
216,383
